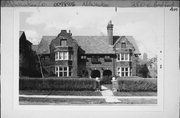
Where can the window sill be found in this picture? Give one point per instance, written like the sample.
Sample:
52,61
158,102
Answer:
64,60
123,60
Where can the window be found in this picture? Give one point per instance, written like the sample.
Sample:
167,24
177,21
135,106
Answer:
95,60
83,57
65,55
56,55
126,72
123,57
63,42
123,71
123,45
107,58
62,56
126,56
63,71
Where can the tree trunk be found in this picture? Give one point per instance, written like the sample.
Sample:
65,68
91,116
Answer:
40,67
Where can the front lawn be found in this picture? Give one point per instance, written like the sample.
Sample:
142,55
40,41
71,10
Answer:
57,92
138,101
58,101
135,93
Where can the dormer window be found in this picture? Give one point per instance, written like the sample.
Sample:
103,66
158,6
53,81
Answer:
63,42
107,59
123,45
83,57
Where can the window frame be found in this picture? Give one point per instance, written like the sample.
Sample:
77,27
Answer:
123,45
123,57
107,58
62,55
95,60
124,71
83,57
62,44
60,71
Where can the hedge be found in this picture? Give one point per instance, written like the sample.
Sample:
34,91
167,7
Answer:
137,84
55,83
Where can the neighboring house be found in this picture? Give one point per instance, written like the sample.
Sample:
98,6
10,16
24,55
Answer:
27,57
66,55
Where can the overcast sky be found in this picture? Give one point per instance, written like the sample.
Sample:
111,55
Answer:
145,25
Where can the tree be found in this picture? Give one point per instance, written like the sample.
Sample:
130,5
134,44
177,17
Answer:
142,70
145,57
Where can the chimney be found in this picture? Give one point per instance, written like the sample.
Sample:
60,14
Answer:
63,31
70,33
110,32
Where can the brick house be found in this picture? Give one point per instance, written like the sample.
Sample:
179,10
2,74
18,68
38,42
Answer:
66,55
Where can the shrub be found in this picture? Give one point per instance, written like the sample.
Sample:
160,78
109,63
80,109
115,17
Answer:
57,84
137,84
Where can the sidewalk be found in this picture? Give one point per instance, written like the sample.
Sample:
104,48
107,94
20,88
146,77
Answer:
108,94
88,97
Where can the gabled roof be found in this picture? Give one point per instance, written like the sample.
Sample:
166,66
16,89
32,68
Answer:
35,47
90,44
132,41
43,47
20,33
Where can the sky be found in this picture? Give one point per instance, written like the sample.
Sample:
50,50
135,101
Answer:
144,24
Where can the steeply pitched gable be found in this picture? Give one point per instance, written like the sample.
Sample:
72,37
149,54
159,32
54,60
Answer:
132,41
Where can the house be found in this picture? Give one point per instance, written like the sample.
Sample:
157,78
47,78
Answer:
27,57
66,55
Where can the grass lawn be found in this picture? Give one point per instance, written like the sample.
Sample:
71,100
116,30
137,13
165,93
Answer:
118,93
57,101
135,93
63,93
138,101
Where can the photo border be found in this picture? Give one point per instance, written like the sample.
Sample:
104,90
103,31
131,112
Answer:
84,107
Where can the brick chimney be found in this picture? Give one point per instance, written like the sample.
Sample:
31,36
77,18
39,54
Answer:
110,32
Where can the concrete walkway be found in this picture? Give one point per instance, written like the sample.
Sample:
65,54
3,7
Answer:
108,94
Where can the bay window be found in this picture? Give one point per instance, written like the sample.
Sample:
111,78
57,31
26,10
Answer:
63,56
123,57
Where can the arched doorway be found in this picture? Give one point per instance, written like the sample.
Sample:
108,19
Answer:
107,75
95,73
